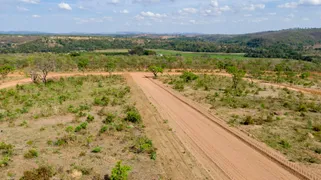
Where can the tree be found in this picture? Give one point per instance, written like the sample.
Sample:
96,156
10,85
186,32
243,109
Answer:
45,65
82,64
110,66
137,51
5,70
237,75
155,70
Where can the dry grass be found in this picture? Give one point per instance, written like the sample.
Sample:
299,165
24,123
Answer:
51,139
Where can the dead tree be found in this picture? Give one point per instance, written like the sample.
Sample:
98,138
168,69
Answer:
45,65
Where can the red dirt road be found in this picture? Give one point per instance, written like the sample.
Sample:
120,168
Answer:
221,153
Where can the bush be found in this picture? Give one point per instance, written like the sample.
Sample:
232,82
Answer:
69,129
188,76
103,129
143,144
133,116
120,172
81,126
285,144
248,120
32,153
4,161
90,118
42,173
104,101
317,150
6,149
109,118
96,150
179,85
153,155
317,128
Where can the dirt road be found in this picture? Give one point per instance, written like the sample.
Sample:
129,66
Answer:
222,154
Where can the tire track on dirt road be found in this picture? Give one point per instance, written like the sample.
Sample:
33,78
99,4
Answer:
234,157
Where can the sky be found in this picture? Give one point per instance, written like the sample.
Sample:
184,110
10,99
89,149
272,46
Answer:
158,16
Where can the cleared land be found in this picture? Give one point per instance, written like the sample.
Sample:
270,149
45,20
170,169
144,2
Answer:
72,128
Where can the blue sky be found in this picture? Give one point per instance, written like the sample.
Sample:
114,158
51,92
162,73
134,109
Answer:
158,16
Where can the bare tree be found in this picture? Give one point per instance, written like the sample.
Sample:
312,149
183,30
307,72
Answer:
35,76
44,65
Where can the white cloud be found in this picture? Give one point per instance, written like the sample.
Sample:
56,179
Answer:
253,7
301,3
272,14
92,20
310,2
36,16
186,11
214,3
146,1
258,20
306,19
19,8
114,2
152,15
64,6
289,5
139,18
31,1
125,11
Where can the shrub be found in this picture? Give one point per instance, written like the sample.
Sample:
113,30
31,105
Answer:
4,161
143,144
248,120
64,140
285,144
317,128
179,85
69,129
109,118
302,108
133,116
78,128
188,76
96,150
32,153
90,118
120,172
6,149
42,173
104,101
103,129
84,125
81,114
317,150
153,155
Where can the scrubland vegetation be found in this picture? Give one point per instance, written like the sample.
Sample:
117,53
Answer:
88,126
286,120
71,128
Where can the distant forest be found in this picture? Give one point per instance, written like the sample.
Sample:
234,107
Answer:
288,44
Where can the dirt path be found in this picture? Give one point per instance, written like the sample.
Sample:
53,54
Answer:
176,161
221,153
